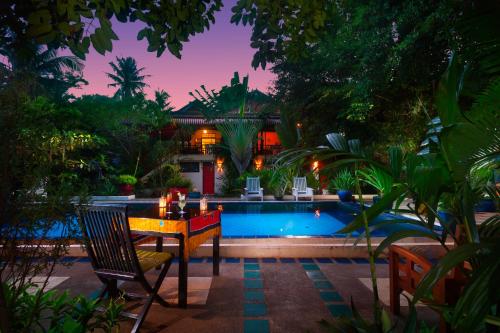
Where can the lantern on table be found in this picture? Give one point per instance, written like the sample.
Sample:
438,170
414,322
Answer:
203,205
162,206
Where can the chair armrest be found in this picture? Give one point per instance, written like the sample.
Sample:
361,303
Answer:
410,256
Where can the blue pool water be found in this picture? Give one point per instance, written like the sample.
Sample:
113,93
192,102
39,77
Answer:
262,220
279,224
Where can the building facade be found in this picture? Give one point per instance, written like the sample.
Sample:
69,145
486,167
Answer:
199,151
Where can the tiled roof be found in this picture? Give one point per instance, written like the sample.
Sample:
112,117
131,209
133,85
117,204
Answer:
254,98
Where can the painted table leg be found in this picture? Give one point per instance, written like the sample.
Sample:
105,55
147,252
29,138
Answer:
183,275
159,247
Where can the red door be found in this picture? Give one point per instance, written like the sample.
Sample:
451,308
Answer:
208,178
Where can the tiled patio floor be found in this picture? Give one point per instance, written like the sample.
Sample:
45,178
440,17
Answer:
256,295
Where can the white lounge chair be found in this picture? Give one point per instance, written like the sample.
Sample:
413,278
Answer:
253,189
300,189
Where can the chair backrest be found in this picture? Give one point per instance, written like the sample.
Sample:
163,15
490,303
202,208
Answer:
253,184
300,183
107,238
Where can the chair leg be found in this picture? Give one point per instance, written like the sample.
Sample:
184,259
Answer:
154,290
394,298
153,295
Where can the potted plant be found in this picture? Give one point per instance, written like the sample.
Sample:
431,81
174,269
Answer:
179,184
377,178
279,182
343,183
126,183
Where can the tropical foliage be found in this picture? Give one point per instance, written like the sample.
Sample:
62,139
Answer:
371,71
378,178
73,24
468,139
127,78
238,139
33,309
343,180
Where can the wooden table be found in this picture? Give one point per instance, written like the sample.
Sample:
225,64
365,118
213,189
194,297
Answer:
191,230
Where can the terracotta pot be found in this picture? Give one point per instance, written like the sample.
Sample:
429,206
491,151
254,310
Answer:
126,189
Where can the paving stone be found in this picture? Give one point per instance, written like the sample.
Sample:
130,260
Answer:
254,295
232,260
269,260
254,309
287,260
381,261
251,267
255,326
84,259
196,260
253,284
338,310
316,275
330,296
306,260
251,260
323,284
311,267
251,275
68,259
343,261
360,260
324,260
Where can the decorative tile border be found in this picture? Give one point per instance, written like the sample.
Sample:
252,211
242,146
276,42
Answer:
254,305
332,299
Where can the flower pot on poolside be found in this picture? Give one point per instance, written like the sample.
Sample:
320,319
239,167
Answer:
485,205
126,189
345,195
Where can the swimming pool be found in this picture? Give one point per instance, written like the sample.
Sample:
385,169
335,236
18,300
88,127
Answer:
276,219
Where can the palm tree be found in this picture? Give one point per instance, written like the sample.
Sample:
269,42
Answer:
39,69
127,77
238,137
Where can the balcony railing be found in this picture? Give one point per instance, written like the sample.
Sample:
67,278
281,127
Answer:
189,149
199,149
268,150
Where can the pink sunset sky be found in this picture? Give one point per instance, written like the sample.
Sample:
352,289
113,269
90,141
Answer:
209,58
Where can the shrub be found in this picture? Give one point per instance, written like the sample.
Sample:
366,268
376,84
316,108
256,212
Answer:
127,179
56,312
344,180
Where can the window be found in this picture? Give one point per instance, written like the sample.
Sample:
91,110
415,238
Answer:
205,139
190,166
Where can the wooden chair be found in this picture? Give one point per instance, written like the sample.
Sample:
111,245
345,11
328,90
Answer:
107,239
407,269
253,189
300,189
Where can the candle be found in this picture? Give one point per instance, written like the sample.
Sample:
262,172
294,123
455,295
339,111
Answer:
203,205
162,205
